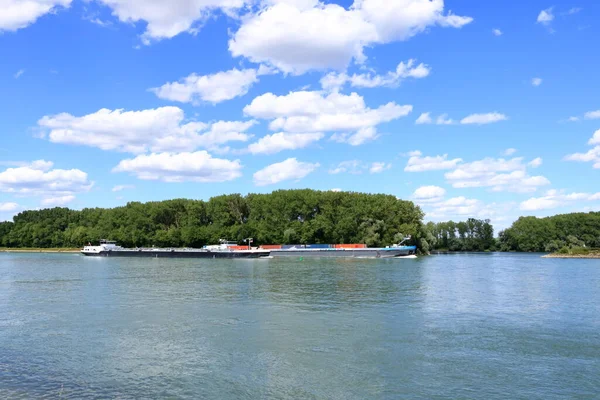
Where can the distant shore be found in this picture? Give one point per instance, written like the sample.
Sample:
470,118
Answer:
38,250
556,255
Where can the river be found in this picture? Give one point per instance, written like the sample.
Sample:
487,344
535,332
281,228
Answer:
467,326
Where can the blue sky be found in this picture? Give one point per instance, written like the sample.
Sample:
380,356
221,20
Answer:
469,108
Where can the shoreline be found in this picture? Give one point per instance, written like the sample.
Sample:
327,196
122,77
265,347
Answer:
36,250
588,256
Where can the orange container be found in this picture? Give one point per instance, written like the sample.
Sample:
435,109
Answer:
351,246
238,247
271,246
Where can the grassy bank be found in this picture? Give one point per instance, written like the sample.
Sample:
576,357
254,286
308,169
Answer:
577,252
38,250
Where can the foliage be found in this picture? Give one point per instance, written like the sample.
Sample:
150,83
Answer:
284,216
471,235
551,234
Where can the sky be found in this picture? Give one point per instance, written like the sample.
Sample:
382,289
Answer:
469,108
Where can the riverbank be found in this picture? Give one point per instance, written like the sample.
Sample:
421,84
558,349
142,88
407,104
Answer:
38,250
588,255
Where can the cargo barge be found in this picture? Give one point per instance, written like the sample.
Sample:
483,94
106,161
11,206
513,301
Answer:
109,248
341,250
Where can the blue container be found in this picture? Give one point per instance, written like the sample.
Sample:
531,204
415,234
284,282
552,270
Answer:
292,246
318,246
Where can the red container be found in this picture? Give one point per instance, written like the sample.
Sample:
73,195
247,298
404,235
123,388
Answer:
271,246
238,247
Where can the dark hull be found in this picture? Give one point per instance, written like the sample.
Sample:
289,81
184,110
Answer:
346,253
179,254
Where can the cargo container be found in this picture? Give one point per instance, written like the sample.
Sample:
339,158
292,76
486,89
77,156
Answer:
271,246
318,246
351,246
293,246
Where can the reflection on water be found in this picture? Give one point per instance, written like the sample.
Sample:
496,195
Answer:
454,326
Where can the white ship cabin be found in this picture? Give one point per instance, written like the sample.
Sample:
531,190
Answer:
223,246
105,245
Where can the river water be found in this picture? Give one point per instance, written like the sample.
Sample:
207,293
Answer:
468,326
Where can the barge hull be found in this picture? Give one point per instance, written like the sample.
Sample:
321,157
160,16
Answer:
179,254
347,253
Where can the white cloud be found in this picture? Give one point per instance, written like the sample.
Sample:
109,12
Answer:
290,169
378,167
498,174
307,111
574,10
119,188
592,155
337,190
545,16
424,118
573,119
277,142
17,14
509,152
166,19
429,193
536,81
19,73
334,81
160,129
181,167
462,207
418,163
352,167
213,88
497,32
592,114
57,201
536,162
442,119
481,119
555,199
39,179
9,207
297,36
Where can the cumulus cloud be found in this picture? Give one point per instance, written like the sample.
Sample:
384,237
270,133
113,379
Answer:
498,174
592,155
546,16
57,201
481,119
536,162
297,36
277,142
555,199
157,130
429,193
335,81
462,207
290,169
9,207
497,32
509,152
167,19
424,118
477,119
592,115
536,81
312,111
213,88
419,163
17,14
120,188
378,167
199,166
39,179
352,167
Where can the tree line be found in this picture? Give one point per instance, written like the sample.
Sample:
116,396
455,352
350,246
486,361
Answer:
292,216
551,234
283,216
